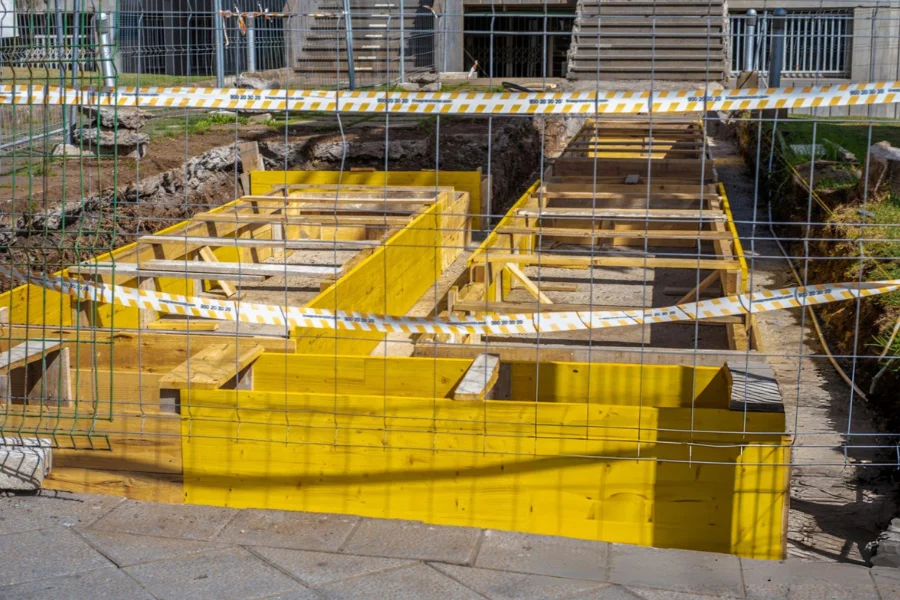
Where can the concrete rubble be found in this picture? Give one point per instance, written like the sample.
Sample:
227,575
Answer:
24,462
883,172
885,550
110,130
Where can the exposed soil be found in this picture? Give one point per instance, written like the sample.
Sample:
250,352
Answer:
55,212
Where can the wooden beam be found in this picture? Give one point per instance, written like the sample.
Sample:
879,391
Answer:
202,270
479,379
131,270
555,260
212,367
209,256
633,214
530,286
707,281
225,242
482,307
183,325
26,352
565,232
333,220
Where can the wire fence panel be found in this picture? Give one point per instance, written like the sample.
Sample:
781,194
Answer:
565,269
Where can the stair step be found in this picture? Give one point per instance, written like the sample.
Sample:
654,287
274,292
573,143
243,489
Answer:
685,10
649,57
643,75
663,44
647,68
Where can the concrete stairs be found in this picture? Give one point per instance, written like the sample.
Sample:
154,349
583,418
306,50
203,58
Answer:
376,42
678,40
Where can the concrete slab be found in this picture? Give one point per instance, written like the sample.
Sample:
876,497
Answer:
49,508
681,570
229,573
887,581
321,568
24,462
110,584
186,521
796,580
288,529
126,549
34,555
543,555
411,539
506,585
414,582
640,593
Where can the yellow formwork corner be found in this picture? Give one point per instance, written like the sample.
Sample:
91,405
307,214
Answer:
667,476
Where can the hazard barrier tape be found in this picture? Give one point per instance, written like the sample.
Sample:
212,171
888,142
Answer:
462,103
486,324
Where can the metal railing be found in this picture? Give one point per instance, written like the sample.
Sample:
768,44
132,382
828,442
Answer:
816,44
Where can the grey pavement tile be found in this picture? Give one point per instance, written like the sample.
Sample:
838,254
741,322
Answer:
33,555
126,549
506,585
221,574
414,582
412,539
49,508
800,580
543,555
102,584
657,594
186,521
606,592
287,529
887,580
675,570
320,568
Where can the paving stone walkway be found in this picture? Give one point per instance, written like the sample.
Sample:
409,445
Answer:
78,546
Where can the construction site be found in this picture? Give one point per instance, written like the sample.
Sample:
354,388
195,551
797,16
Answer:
630,294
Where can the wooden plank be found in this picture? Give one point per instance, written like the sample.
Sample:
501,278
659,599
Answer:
528,284
131,270
481,307
219,270
634,214
338,221
26,352
190,242
209,256
692,295
564,232
555,260
183,325
479,379
211,368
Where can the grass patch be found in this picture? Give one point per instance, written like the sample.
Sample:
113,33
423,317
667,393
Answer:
852,136
41,76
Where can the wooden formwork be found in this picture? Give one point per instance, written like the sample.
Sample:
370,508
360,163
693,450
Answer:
631,216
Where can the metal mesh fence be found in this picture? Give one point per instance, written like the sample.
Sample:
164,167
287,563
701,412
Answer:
462,263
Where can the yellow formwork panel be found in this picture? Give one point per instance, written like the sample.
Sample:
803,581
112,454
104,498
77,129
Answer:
618,473
262,182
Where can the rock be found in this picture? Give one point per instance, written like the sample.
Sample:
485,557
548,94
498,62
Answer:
422,78
66,150
24,462
128,144
260,117
224,113
434,86
110,117
884,172
885,550
252,82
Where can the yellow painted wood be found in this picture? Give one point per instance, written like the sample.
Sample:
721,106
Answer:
262,182
585,471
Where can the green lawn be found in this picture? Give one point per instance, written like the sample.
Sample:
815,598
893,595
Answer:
25,76
845,132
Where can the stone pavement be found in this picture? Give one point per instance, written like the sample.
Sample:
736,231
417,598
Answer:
74,546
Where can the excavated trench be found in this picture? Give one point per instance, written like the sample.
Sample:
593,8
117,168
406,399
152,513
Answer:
44,228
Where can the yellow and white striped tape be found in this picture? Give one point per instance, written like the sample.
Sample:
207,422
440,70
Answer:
485,324
462,103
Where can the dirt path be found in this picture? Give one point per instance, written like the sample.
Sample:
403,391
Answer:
835,509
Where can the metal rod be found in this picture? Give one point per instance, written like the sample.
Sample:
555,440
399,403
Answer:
348,34
104,38
750,41
402,44
251,45
776,58
220,43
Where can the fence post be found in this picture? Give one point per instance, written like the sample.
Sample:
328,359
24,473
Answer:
104,39
220,43
348,36
750,41
251,44
402,44
776,56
